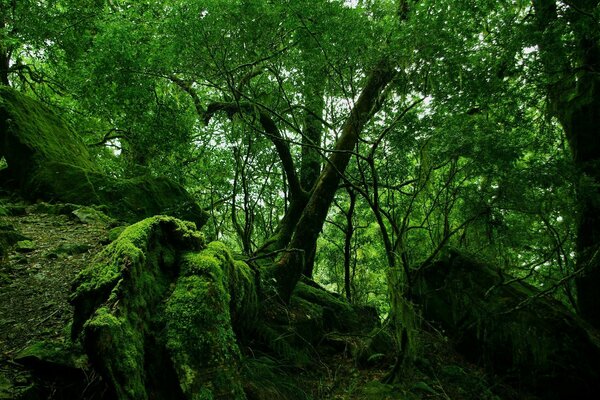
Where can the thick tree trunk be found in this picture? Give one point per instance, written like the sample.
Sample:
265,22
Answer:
290,267
575,101
310,166
314,102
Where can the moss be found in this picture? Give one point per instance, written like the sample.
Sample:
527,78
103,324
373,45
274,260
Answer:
32,134
200,339
25,246
153,306
117,349
128,199
115,232
212,287
117,297
143,252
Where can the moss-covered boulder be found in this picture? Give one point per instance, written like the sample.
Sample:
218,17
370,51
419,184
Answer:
31,134
157,310
47,160
510,328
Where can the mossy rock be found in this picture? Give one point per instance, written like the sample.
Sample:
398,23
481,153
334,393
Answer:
90,215
70,249
126,199
25,246
157,310
506,326
46,160
31,134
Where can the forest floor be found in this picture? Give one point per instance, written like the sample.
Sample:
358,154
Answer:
54,245
35,278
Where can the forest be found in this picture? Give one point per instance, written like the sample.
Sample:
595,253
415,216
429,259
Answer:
299,199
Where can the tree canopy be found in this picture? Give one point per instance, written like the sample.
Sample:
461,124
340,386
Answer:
349,142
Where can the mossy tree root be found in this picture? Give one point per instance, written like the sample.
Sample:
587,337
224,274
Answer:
157,310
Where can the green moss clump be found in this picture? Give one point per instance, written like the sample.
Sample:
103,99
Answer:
211,289
157,313
200,338
135,268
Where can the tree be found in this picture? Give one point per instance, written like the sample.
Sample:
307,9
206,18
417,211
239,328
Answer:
570,53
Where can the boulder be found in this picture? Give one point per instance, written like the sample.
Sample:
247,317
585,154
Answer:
511,328
46,160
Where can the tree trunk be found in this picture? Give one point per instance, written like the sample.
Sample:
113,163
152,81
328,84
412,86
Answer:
575,101
348,234
290,267
4,54
310,167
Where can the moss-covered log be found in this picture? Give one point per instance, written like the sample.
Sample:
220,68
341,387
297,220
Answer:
156,311
47,160
507,326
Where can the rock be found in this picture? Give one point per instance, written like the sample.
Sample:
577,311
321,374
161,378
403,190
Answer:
31,135
47,160
25,246
89,215
69,248
505,325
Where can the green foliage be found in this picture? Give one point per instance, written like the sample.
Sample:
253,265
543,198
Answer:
463,151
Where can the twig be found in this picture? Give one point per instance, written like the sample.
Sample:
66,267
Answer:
48,317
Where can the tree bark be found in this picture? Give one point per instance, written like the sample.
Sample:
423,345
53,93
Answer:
574,96
348,244
310,166
4,55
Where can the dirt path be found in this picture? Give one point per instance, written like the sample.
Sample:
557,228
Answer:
36,282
